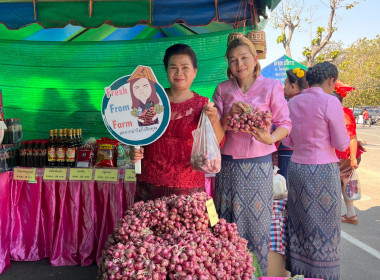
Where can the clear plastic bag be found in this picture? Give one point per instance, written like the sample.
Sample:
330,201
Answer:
352,189
205,154
279,185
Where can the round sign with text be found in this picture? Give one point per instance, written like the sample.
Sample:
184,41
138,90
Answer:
135,108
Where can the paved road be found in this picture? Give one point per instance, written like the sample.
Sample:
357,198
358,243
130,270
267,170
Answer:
360,246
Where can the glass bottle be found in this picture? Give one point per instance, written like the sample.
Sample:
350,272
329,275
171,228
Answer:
70,149
52,156
29,154
43,153
22,154
80,137
36,154
61,149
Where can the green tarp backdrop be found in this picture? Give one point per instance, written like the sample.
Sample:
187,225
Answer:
61,84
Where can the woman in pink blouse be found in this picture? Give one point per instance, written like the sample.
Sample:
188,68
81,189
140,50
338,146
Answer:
314,199
244,186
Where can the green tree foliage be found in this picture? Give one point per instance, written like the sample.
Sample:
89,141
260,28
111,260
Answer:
331,53
287,17
360,67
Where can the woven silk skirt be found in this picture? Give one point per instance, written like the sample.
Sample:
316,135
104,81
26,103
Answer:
314,208
244,195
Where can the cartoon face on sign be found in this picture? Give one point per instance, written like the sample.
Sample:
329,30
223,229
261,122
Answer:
145,102
135,108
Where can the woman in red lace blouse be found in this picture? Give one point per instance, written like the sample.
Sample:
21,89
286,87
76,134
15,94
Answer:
348,160
165,165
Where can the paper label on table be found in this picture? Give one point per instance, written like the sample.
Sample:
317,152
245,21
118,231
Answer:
80,174
55,174
109,175
130,175
24,174
211,210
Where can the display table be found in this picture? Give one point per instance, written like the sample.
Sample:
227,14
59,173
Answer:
65,221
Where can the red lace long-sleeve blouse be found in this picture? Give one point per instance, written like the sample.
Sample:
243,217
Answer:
167,161
350,121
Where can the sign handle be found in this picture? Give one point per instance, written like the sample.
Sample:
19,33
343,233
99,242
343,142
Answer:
138,163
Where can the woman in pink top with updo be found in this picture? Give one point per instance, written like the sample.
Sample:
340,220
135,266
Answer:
244,186
314,199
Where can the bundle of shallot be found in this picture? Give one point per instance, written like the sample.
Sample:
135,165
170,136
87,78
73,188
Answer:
170,238
248,119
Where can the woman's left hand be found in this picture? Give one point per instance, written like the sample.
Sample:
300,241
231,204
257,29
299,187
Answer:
354,163
262,135
211,112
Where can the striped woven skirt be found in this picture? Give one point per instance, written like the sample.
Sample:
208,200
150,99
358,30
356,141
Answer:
278,226
244,195
314,208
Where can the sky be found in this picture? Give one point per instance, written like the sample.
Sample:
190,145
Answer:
361,21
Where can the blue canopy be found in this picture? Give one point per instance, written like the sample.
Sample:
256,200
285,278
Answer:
128,13
277,69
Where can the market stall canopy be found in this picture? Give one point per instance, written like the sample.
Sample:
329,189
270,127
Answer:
128,13
57,56
277,69
342,88
72,33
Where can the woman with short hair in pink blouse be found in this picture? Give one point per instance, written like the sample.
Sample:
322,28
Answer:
314,198
244,186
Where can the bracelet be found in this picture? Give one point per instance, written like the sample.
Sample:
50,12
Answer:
274,140
352,158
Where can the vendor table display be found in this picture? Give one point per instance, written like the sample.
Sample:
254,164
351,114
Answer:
67,221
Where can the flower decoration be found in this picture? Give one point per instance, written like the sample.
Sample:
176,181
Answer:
299,72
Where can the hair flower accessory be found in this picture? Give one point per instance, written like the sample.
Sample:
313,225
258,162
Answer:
299,72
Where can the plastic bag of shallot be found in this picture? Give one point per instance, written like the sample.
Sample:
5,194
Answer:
205,154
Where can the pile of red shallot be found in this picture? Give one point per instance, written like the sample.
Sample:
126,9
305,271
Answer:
206,162
248,119
170,238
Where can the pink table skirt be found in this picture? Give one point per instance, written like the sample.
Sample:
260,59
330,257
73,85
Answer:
65,221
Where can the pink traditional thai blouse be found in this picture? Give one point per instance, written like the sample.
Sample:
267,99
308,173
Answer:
266,94
318,127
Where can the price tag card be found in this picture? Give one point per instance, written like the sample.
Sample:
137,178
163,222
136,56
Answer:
109,175
55,174
212,212
80,174
130,175
24,174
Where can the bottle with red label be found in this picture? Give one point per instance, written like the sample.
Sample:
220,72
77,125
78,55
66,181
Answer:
43,153
36,154
22,154
61,150
29,154
51,149
70,149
